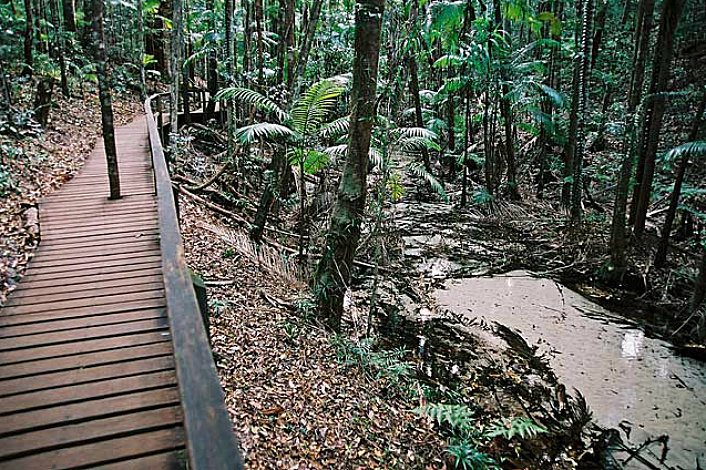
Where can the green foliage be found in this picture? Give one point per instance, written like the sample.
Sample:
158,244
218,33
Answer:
457,417
316,104
377,364
418,170
467,457
687,150
247,96
524,428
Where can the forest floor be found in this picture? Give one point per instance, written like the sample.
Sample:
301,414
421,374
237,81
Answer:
35,161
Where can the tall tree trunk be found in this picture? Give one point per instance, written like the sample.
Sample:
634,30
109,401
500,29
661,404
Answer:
230,72
661,256
111,153
305,47
175,63
671,11
69,10
414,77
212,64
285,54
467,135
570,146
260,46
333,272
29,38
598,34
700,286
642,45
580,139
141,49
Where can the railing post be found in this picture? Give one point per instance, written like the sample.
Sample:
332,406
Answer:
202,299
175,192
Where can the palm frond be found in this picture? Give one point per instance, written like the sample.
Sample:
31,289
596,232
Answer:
689,149
337,150
412,144
418,170
376,158
554,96
265,130
336,127
411,132
247,96
315,104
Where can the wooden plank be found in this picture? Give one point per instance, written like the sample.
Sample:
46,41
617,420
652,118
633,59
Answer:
97,231
78,282
38,263
78,361
90,391
101,452
100,429
104,238
93,243
68,305
81,334
93,224
87,252
69,349
85,374
38,299
77,289
84,268
84,322
30,318
167,461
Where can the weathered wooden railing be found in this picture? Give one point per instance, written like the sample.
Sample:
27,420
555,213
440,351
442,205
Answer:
210,442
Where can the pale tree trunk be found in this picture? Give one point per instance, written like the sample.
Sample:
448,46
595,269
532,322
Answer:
671,11
230,71
661,256
583,62
306,43
414,77
111,153
333,273
141,49
175,62
570,146
260,46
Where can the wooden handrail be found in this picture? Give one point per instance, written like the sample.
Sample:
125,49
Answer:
210,441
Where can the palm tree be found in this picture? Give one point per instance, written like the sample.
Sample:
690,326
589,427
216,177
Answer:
301,131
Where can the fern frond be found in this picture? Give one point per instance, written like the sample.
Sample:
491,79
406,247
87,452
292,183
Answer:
337,150
456,416
247,96
413,144
376,158
554,96
418,170
265,130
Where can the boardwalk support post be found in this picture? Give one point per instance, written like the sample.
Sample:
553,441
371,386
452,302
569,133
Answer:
202,299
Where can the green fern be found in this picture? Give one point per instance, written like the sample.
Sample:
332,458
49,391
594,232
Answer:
314,106
336,128
508,428
687,150
468,457
456,416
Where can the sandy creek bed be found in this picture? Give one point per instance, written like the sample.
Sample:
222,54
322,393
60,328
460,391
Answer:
631,382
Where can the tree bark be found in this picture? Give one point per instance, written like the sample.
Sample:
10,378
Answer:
580,139
212,64
69,11
111,153
671,12
260,46
175,63
230,72
333,272
700,286
29,37
305,47
141,49
661,256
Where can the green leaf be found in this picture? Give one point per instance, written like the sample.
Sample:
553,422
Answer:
254,98
265,130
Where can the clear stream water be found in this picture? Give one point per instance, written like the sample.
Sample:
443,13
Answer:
632,382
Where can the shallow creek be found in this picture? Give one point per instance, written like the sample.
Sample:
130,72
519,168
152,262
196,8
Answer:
632,383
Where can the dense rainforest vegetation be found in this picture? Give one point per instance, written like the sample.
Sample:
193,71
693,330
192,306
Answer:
562,138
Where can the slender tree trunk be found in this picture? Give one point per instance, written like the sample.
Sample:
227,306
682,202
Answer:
583,62
29,38
642,43
570,146
598,34
700,286
141,49
111,153
334,270
305,47
414,77
212,64
467,135
176,64
69,15
661,256
230,72
260,46
671,12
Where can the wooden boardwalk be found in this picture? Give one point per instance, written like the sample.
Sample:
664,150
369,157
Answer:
87,369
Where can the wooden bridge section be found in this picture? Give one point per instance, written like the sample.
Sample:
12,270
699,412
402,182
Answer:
104,359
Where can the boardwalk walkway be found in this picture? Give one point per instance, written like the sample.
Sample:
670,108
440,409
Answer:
87,370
